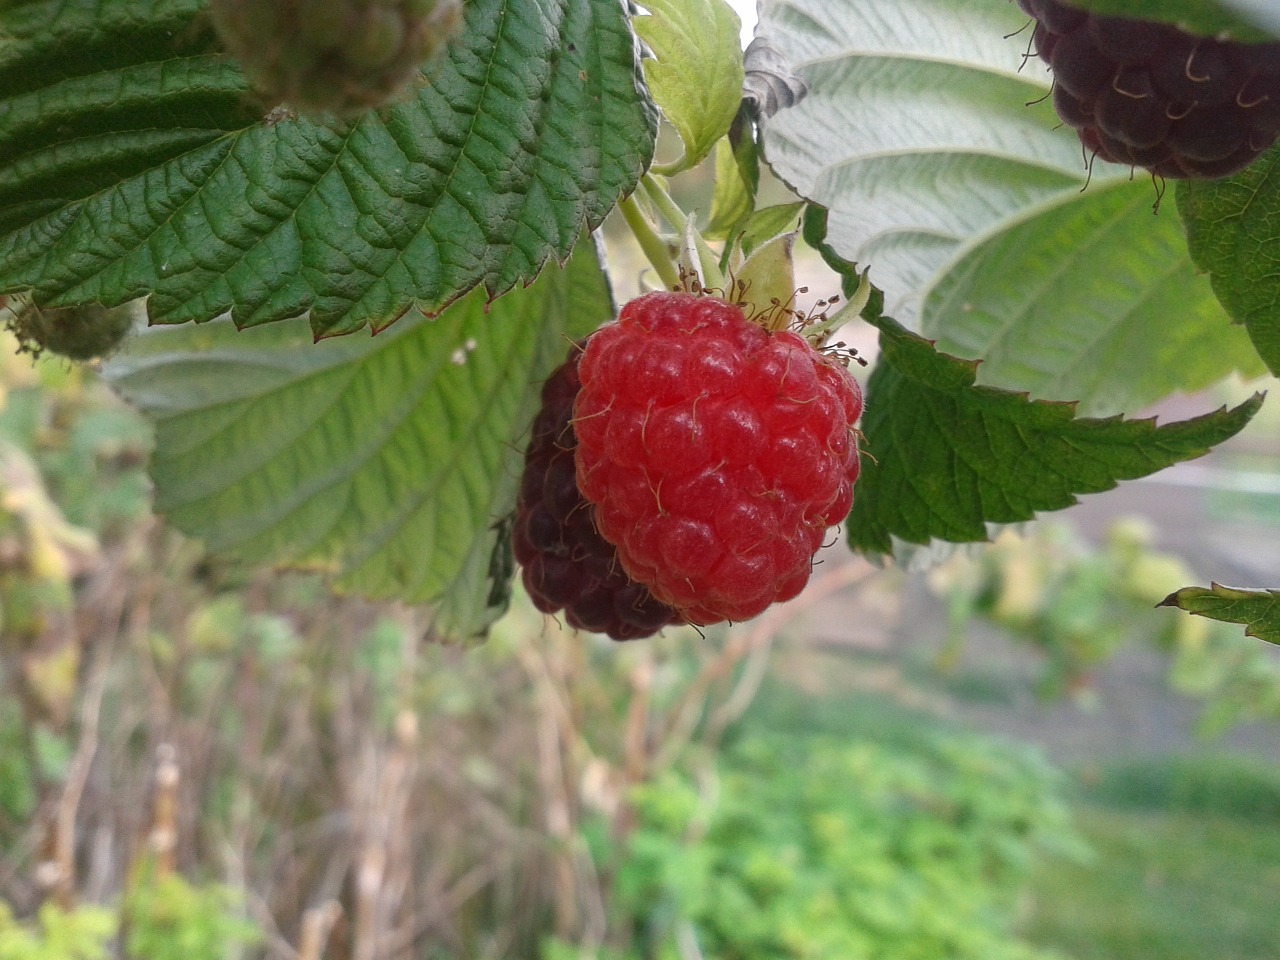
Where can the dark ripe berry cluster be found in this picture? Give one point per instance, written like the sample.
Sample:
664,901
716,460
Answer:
1150,95
566,564
716,453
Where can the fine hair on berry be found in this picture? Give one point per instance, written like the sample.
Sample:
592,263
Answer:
716,453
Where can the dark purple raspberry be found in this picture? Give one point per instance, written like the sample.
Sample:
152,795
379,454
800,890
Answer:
566,565
1150,95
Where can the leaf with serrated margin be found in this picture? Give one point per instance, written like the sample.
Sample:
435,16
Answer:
1259,610
388,461
1204,18
1233,231
696,78
917,135
130,165
944,457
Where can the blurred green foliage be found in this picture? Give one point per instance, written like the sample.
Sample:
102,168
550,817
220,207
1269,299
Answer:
1186,865
1212,785
1163,886
164,917
72,481
1078,605
168,918
831,849
89,447
80,934
17,793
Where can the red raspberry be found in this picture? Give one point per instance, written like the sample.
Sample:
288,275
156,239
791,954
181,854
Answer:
565,563
716,453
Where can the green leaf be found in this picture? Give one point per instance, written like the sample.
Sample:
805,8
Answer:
1093,300
1205,18
732,200
944,457
130,165
1233,230
1259,610
768,222
734,196
697,76
916,134
390,461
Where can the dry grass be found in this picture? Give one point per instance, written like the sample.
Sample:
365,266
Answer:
374,794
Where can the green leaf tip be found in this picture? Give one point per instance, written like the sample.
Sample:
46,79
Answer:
1257,610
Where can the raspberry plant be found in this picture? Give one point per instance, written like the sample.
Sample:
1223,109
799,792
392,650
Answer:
1023,304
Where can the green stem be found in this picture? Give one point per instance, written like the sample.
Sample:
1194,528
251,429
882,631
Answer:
670,169
662,201
655,249
712,275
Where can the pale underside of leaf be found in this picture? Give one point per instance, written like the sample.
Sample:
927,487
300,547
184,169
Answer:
1233,232
1091,300
1264,14
915,130
386,461
918,137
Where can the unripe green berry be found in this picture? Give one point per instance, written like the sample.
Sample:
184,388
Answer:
337,58
379,41
78,333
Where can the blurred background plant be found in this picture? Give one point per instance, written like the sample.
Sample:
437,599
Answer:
1078,605
203,761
